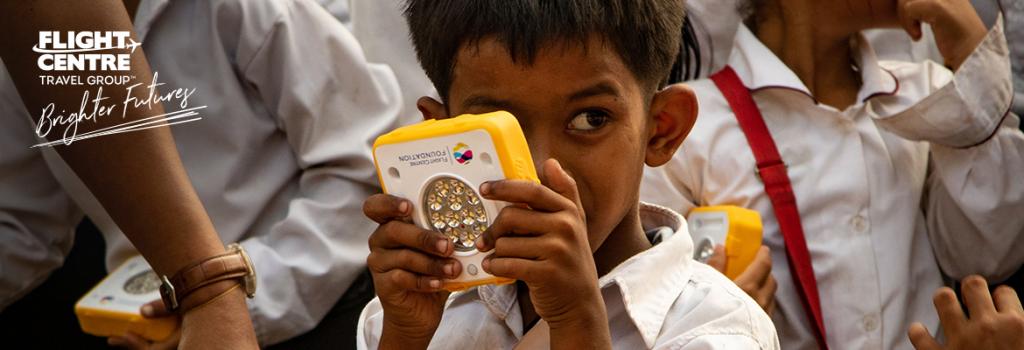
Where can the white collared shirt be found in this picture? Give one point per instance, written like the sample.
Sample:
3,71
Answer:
660,298
923,172
281,159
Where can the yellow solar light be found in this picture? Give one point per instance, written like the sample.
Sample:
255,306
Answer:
111,308
439,165
738,229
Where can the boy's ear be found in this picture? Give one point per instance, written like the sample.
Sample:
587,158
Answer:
673,112
431,108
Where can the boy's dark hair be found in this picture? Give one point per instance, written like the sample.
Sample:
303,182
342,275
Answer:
645,33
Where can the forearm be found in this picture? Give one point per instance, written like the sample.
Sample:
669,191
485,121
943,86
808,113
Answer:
137,176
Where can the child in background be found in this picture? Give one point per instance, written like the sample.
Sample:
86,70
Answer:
898,169
584,79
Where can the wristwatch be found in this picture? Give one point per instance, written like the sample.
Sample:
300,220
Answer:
233,265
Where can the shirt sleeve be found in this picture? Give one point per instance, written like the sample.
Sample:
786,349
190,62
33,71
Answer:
716,314
37,218
973,196
369,327
331,104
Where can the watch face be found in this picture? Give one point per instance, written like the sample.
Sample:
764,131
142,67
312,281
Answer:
142,283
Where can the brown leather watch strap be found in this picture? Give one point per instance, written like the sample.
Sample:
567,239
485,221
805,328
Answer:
212,270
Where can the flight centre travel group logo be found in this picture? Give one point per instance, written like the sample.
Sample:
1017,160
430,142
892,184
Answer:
80,51
98,59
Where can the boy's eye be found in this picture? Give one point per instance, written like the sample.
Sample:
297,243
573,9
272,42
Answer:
588,121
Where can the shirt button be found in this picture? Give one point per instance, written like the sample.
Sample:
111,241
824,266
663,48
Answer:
859,223
870,322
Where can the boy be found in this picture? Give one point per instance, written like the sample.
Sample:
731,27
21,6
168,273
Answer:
583,79
897,168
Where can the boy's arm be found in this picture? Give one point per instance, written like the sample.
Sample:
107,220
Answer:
973,196
331,104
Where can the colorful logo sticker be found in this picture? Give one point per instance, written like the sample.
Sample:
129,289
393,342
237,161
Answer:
462,153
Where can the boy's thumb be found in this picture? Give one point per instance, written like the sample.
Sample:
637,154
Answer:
559,180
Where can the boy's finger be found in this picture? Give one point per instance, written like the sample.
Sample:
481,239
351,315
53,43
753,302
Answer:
767,292
561,182
514,268
513,221
760,268
537,196
920,338
386,260
771,307
977,297
401,235
1006,300
406,280
155,309
950,314
382,208
520,247
718,259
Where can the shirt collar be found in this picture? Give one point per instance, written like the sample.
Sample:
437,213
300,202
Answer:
759,68
146,15
649,282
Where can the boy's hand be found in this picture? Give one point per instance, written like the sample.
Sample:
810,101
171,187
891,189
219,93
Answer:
153,309
546,245
958,28
756,279
996,321
408,264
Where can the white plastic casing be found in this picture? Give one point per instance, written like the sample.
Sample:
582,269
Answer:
407,168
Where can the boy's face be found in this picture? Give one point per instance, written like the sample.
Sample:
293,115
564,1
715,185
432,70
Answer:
581,107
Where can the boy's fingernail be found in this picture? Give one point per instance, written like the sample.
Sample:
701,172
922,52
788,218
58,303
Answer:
485,188
147,310
449,269
435,284
403,207
442,246
486,264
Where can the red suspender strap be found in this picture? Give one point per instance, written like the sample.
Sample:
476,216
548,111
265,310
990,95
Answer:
772,171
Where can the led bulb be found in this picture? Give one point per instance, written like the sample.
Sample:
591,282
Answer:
455,210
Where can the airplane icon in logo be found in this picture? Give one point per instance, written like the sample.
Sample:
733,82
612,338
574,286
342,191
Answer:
132,45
